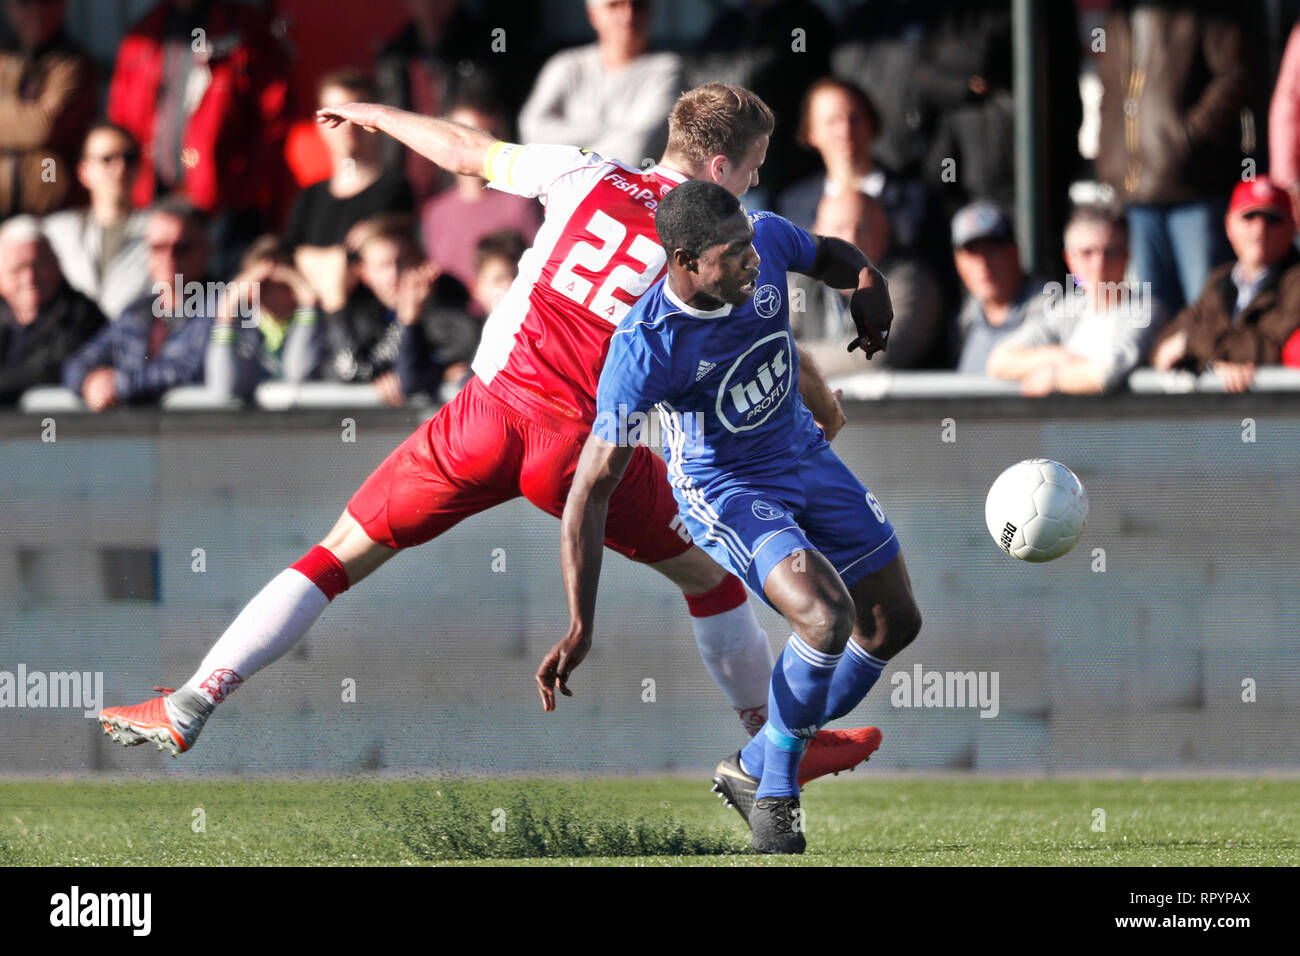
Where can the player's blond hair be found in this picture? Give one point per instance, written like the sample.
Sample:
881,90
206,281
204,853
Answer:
717,119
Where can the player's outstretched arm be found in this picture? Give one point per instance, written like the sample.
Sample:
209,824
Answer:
453,146
582,541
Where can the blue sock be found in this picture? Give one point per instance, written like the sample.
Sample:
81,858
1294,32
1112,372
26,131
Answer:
796,702
856,674
753,755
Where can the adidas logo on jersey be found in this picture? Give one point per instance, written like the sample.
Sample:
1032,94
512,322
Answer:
703,369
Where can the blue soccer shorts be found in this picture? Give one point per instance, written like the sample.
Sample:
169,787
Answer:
749,525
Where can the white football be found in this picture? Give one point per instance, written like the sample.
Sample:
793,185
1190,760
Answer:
1036,510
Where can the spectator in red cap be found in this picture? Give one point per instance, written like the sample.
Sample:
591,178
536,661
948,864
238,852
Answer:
1249,307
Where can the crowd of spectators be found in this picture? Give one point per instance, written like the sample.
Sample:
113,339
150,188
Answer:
126,199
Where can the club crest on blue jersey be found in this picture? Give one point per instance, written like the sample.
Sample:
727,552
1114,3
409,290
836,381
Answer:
756,384
764,511
767,300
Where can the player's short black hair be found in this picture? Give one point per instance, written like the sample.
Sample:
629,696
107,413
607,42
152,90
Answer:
690,215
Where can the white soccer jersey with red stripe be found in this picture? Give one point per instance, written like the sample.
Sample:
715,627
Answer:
595,254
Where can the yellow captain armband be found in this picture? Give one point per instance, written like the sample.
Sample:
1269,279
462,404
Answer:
499,162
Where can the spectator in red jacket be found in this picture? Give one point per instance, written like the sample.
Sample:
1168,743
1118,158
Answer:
209,108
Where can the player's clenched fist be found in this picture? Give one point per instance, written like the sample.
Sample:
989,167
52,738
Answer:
872,312
558,664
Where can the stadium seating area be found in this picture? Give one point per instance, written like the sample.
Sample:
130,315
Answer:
176,231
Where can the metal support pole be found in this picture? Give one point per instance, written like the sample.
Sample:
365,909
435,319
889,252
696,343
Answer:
1029,132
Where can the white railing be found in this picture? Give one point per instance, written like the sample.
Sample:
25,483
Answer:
863,386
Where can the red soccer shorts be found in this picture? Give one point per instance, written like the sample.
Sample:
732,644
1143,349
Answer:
479,451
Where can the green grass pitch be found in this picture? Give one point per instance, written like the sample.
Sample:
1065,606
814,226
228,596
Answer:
856,820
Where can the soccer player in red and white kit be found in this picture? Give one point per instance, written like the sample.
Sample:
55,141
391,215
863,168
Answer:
520,424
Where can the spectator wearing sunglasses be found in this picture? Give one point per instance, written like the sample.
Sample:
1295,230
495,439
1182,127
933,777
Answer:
1094,328
1249,307
101,248
160,341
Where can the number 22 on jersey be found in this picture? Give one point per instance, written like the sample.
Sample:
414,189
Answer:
627,266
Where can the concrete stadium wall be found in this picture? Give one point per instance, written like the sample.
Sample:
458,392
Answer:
1139,667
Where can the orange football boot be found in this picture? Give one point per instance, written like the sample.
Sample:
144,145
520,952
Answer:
154,721
834,751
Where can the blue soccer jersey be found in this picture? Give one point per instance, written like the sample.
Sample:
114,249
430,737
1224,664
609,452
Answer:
753,475
725,381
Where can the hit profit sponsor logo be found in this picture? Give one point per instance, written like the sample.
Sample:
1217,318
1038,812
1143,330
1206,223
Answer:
757,383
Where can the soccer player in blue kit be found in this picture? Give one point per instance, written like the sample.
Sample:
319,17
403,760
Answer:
756,482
